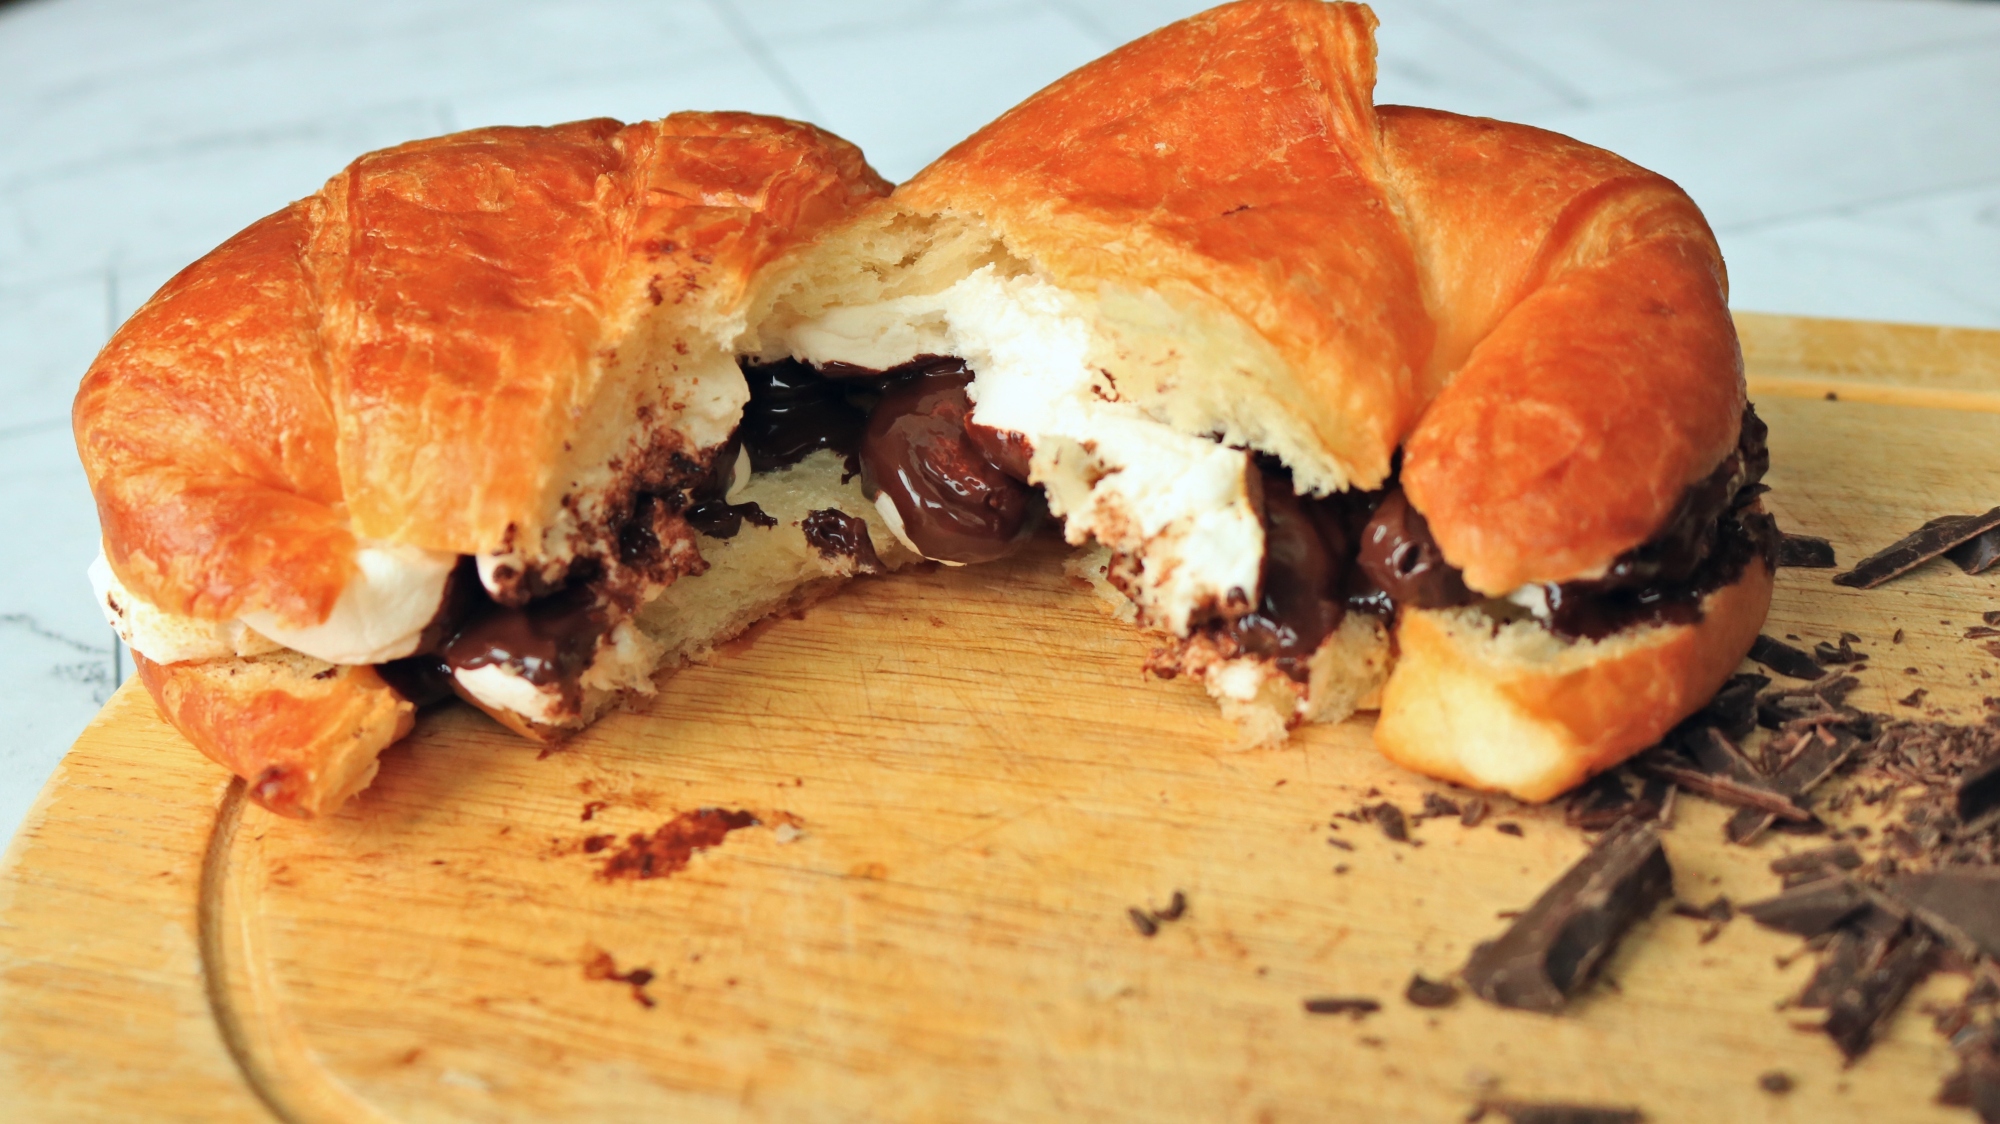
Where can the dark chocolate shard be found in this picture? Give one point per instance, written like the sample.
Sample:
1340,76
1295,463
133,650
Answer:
1991,616
1814,908
1357,1007
1976,1085
1817,754
1978,792
1733,710
1430,993
1726,790
1920,546
1391,820
1859,1010
1784,659
1826,653
1555,947
1805,552
1718,756
1524,1112
1977,554
1839,856
1603,801
1960,905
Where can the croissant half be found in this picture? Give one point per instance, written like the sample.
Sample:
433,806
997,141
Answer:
1358,405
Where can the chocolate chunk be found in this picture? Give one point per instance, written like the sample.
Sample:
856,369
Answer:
1784,659
1436,806
1430,993
1355,1006
1961,905
1839,856
1805,552
834,533
1523,1112
1914,698
1733,710
1978,791
1991,616
1861,1008
1814,908
1603,801
1977,554
1976,1085
1818,754
1920,546
1554,948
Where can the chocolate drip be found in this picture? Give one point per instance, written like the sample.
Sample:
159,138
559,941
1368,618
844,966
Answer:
546,642
956,504
834,533
795,412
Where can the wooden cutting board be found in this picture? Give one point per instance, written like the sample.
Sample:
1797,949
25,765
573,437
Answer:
963,782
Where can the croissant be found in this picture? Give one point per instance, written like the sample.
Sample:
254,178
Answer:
1359,406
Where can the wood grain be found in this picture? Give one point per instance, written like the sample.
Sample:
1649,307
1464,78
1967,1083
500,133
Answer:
978,783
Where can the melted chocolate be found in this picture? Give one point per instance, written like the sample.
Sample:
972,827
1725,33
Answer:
719,519
1402,560
1300,603
423,680
834,533
957,505
546,642
795,412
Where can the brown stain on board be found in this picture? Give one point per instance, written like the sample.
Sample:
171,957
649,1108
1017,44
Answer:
668,849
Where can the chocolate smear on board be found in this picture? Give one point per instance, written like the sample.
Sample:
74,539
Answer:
1554,948
602,967
1784,659
1423,992
1526,1112
1961,905
1805,552
1357,1007
1920,546
1978,554
669,848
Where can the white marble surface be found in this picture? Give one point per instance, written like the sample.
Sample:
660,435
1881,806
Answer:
1847,152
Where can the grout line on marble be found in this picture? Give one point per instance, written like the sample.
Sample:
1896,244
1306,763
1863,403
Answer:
36,628
1477,38
760,53
1854,206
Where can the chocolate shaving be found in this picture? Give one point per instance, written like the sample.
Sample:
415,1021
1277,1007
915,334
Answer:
1805,552
1978,554
1142,921
1839,856
1727,790
1859,1010
1920,546
1962,906
1826,653
1356,1007
1523,1112
1818,754
1554,948
1814,908
1423,992
1784,659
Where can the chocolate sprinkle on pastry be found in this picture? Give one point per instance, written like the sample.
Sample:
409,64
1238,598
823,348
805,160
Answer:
1423,992
1784,659
1523,1112
1355,1006
1805,552
1978,554
1920,546
1554,948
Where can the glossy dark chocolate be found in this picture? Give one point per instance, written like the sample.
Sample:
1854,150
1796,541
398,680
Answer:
956,504
546,642
834,533
794,412
1401,558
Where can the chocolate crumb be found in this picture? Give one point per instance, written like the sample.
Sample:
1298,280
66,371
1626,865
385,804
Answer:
1784,659
1391,820
1438,806
1340,843
1807,552
1775,1081
1914,698
1354,1006
1142,921
1897,638
601,966
591,809
1423,992
1509,828
1475,812
1175,908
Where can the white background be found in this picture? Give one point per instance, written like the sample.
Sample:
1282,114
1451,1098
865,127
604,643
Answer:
1847,152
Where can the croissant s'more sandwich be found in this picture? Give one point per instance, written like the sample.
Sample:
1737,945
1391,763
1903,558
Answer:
1359,406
